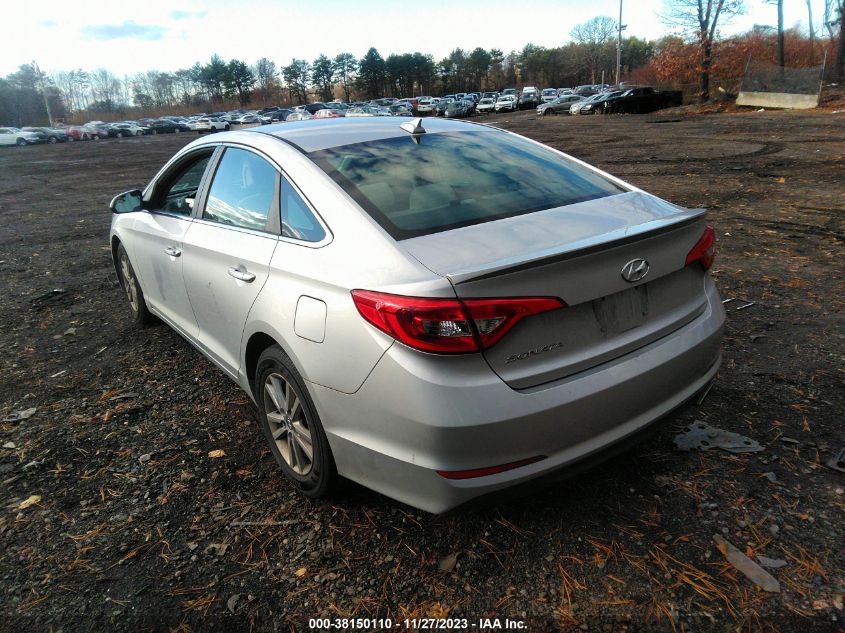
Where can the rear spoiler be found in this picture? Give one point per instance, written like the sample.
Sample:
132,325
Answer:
586,246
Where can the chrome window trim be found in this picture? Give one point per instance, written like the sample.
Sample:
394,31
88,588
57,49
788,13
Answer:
239,229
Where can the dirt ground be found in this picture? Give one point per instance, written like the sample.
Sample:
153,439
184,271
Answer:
115,518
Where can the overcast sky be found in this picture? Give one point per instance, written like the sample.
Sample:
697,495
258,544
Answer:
171,34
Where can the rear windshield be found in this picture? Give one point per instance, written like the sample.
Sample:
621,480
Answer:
456,179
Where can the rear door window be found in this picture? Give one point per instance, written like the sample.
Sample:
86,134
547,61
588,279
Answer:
241,193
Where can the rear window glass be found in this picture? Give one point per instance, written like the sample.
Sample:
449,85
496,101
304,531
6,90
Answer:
456,179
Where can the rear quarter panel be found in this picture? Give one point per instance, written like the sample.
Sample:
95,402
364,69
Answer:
359,254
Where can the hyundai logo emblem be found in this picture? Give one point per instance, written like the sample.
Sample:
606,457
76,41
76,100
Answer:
635,270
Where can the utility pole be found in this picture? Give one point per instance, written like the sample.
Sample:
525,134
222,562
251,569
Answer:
43,92
619,44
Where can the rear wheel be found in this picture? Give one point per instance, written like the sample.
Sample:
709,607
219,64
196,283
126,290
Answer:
53,140
139,133
20,142
291,424
153,132
176,130
132,288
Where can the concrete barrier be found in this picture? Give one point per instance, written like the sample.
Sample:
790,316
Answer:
777,100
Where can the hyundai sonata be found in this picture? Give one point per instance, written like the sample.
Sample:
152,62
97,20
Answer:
436,312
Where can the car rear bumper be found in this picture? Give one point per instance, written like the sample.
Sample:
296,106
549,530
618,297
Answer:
417,414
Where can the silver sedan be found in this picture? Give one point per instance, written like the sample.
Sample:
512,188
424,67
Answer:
558,105
435,309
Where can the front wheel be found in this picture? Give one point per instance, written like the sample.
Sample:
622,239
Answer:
20,142
177,130
227,127
139,133
53,140
129,282
291,425
153,132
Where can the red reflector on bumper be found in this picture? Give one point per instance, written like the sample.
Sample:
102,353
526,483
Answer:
489,470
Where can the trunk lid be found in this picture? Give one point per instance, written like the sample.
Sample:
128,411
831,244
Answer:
576,253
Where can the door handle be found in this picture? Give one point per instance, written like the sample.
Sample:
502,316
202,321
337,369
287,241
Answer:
241,274
173,252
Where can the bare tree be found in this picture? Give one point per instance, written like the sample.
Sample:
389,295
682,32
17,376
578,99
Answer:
831,8
810,23
594,36
834,14
105,88
781,52
701,18
64,80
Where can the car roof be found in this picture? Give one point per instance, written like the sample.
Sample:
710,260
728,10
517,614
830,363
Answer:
319,134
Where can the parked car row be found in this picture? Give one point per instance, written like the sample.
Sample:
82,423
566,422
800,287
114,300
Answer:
581,100
627,99
607,100
31,135
96,130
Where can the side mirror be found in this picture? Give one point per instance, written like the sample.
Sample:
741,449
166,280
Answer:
126,202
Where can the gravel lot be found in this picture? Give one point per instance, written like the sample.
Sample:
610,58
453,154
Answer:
115,518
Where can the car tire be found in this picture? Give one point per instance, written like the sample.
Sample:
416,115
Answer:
96,137
153,132
290,424
139,133
70,139
227,127
176,130
20,142
53,140
132,287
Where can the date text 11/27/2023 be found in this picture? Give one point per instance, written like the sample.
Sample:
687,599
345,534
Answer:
417,624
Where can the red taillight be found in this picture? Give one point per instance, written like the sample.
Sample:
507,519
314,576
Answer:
489,470
493,318
447,326
705,249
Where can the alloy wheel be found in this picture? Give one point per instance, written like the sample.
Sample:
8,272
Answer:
129,283
288,423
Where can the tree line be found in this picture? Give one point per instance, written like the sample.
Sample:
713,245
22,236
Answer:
588,58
